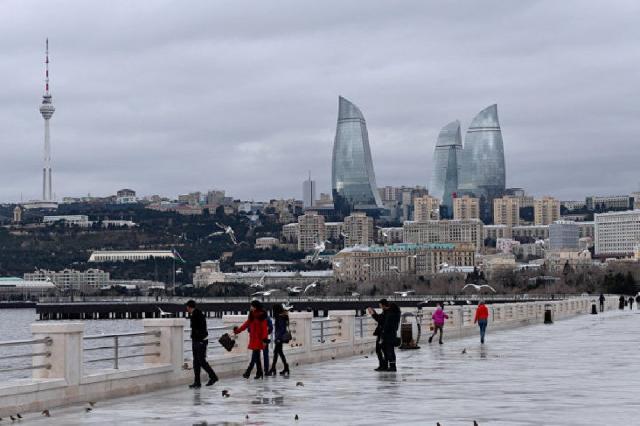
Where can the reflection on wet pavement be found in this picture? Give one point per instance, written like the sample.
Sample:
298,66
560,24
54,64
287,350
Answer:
579,371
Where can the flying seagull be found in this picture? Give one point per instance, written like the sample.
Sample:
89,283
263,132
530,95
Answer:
260,283
404,293
312,285
265,293
163,313
295,290
479,287
229,231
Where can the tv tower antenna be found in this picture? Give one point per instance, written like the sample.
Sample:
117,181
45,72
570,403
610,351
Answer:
47,109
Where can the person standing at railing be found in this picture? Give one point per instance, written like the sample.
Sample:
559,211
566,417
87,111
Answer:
621,302
379,319
481,318
281,336
438,318
259,336
199,344
602,299
631,303
390,332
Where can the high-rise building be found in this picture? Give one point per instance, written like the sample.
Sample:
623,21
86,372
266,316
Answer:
446,164
311,230
506,211
426,208
482,172
358,229
353,179
617,233
608,202
564,235
444,231
47,109
466,207
546,211
308,192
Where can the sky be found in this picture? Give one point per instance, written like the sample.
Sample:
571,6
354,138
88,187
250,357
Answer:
170,97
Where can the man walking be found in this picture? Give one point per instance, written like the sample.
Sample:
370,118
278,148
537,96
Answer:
390,332
481,318
379,319
199,344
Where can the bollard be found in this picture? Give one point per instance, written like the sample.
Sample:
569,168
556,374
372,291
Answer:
548,316
594,310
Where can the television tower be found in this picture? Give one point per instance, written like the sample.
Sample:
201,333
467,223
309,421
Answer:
47,109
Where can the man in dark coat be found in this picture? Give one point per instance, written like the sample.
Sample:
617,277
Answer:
199,344
379,319
390,331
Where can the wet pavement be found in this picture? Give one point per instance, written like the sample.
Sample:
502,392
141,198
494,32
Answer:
575,372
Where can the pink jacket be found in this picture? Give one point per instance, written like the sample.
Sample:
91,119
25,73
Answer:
439,316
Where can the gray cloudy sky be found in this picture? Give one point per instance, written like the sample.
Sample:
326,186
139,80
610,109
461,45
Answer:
173,96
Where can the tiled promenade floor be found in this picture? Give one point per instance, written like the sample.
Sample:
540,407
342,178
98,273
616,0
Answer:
582,371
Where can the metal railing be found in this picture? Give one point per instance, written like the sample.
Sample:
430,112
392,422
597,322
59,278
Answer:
47,341
118,346
187,331
363,327
323,328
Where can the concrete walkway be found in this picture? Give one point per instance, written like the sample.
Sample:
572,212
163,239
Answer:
574,372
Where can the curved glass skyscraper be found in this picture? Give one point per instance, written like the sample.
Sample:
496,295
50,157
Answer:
482,170
446,164
352,176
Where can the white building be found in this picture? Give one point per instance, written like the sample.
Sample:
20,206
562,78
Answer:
126,196
265,265
130,255
444,231
78,220
266,243
617,233
14,286
89,281
207,273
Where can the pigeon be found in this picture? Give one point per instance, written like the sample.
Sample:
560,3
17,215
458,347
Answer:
13,419
225,393
366,356
246,417
46,413
18,416
299,384
464,351
87,409
296,417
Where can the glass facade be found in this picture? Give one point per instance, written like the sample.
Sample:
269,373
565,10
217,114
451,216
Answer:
352,176
446,164
482,171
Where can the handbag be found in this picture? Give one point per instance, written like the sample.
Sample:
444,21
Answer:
227,342
286,337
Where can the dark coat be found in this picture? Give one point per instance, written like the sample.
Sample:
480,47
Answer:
282,322
391,322
198,326
379,319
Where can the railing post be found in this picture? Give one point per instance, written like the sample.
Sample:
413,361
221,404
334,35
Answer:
115,352
66,351
347,325
171,348
303,334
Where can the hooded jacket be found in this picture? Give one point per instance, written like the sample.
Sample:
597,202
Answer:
257,321
439,316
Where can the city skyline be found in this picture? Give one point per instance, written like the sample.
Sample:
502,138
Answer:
154,109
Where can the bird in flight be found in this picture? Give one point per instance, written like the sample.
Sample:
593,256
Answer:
310,286
404,293
259,283
479,287
294,290
229,231
266,293
163,313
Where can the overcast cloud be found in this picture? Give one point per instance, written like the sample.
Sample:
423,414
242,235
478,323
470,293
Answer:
168,97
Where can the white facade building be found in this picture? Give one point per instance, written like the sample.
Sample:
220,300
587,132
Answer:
130,255
617,233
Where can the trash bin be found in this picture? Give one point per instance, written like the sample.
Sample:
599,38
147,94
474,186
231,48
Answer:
594,309
548,314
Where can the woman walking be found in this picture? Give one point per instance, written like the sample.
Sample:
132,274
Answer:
258,336
438,318
482,315
281,336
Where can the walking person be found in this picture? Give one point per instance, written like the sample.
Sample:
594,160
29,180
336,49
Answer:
481,318
631,303
199,344
258,336
438,318
379,319
389,332
265,351
602,299
638,301
621,302
281,336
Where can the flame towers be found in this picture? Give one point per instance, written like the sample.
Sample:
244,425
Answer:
47,109
352,176
483,168
446,165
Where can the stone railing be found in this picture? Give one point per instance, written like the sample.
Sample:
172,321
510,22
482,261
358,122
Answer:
60,354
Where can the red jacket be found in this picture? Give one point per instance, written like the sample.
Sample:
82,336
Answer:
482,313
257,324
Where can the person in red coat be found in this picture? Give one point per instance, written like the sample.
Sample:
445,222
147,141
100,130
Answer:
482,316
256,324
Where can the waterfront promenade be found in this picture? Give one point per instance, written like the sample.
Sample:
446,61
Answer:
576,371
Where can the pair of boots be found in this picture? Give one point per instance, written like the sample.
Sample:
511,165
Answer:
431,340
212,380
387,367
273,372
258,375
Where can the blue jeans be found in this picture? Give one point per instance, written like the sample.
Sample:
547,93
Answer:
483,328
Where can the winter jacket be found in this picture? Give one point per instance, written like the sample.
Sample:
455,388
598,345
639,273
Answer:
257,322
379,319
439,316
391,322
198,325
282,321
482,313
